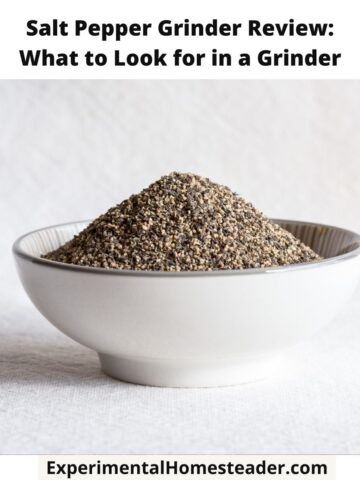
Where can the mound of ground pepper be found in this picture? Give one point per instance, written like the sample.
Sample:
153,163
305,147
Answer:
183,222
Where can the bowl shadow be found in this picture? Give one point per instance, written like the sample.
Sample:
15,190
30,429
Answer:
24,361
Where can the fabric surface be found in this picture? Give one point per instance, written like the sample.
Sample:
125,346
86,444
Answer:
54,399
70,150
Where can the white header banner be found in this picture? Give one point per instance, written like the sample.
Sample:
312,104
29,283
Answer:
122,39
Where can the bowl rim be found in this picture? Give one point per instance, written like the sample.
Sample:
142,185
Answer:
19,252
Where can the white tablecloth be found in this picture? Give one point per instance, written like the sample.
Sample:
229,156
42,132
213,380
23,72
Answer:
55,399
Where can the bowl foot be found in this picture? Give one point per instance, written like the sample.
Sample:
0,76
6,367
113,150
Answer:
180,373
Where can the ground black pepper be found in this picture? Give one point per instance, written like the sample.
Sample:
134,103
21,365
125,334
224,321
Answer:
183,222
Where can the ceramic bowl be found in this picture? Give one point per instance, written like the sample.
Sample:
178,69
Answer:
191,329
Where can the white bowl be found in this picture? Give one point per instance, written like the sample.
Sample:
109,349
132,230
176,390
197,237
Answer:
190,329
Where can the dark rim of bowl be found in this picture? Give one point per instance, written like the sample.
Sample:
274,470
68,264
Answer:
17,250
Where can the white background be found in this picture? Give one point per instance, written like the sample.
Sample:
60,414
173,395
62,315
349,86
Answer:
69,150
